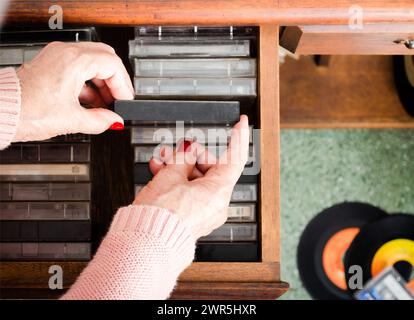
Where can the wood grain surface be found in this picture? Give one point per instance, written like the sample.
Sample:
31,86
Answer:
384,39
269,141
283,12
352,92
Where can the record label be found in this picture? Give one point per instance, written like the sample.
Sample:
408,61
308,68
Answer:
392,252
333,253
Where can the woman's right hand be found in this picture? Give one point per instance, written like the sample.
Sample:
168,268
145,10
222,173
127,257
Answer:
194,185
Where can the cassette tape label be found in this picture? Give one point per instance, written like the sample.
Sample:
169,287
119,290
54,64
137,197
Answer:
244,193
241,212
188,47
195,86
153,68
44,191
41,172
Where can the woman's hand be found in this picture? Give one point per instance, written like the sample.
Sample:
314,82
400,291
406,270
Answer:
53,89
195,185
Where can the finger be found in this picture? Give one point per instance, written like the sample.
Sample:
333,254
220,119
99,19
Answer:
95,120
106,66
103,90
232,162
158,161
155,165
90,96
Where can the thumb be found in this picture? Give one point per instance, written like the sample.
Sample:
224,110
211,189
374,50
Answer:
97,120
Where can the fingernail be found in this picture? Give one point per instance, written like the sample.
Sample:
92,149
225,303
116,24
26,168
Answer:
117,126
185,145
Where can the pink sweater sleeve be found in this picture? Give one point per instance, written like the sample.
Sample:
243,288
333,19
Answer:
10,99
141,257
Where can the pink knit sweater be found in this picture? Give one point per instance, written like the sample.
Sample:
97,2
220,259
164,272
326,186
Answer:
145,249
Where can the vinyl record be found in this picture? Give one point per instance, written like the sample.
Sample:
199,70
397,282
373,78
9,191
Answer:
324,243
404,81
381,244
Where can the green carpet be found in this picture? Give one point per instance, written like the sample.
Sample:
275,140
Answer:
322,167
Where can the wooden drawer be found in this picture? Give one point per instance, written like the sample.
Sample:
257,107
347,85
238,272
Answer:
372,39
202,280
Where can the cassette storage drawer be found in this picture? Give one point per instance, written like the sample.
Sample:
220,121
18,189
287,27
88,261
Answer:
192,83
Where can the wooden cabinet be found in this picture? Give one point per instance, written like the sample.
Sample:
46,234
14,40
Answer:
206,280
343,39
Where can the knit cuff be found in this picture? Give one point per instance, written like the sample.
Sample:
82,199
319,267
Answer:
10,101
157,223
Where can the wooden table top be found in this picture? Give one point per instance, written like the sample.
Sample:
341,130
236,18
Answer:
223,12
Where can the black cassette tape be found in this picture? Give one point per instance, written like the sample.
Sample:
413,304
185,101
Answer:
48,191
227,252
46,153
195,32
45,231
44,172
44,211
31,37
70,138
34,251
170,111
142,174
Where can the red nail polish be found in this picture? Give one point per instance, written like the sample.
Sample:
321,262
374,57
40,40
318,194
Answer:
116,126
185,145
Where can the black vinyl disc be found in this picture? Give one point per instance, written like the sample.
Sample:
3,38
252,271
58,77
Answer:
374,236
341,221
404,81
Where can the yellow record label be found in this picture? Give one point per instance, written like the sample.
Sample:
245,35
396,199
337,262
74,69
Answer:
392,252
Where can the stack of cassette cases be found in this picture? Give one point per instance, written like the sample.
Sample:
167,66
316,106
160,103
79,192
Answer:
18,47
193,62
190,83
45,188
